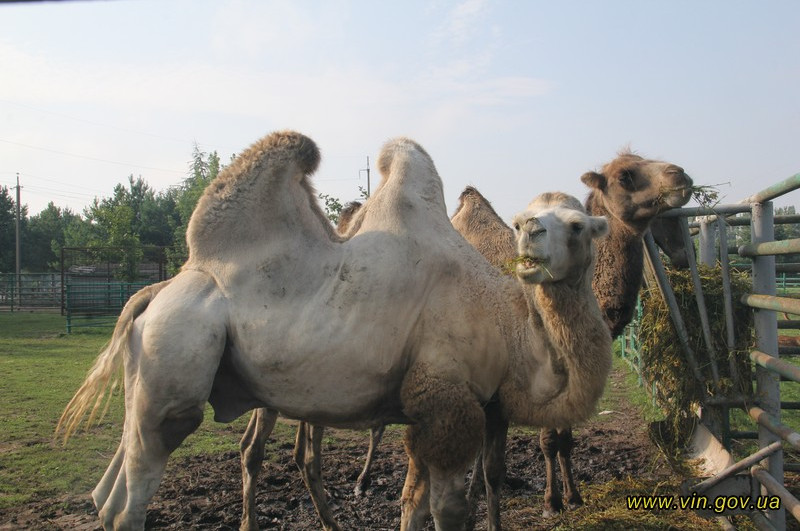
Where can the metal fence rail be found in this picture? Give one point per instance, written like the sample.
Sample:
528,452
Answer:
30,291
96,303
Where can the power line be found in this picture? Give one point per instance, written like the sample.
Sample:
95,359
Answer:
97,124
90,158
24,174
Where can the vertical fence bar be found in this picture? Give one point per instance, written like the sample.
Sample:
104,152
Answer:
654,260
766,328
66,308
708,247
698,292
727,291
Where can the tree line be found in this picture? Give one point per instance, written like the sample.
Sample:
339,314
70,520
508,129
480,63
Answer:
125,225
136,217
133,218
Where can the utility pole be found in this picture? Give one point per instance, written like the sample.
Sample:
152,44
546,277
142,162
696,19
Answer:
19,261
367,170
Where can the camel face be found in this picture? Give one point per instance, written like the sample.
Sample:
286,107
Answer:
554,243
635,189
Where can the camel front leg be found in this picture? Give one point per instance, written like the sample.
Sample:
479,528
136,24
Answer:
448,498
308,458
476,486
252,457
548,442
565,445
365,478
494,461
449,424
415,501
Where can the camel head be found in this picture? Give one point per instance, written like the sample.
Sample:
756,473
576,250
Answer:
347,215
634,189
555,240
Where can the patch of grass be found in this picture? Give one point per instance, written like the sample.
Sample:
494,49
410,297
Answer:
41,369
607,509
631,391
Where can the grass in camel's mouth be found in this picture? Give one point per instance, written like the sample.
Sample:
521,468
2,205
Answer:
528,262
706,196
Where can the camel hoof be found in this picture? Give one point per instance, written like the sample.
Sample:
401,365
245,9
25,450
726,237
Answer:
549,513
575,505
361,488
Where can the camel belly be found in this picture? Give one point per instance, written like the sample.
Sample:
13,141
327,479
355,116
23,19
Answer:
348,377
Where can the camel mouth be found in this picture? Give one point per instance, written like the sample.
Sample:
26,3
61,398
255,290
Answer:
527,265
676,196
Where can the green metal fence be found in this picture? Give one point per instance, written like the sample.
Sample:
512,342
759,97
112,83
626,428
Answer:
30,291
96,303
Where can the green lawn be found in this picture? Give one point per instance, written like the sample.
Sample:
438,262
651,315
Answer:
41,367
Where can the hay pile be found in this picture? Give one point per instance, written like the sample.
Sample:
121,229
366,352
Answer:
664,363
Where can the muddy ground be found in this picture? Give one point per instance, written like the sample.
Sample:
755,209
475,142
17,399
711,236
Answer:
203,492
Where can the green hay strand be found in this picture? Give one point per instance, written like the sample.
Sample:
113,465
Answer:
664,363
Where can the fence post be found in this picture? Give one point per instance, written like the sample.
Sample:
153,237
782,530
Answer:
766,328
708,247
66,287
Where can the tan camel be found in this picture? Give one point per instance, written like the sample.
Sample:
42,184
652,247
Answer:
268,312
559,306
630,191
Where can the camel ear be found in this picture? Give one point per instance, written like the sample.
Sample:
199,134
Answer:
594,180
598,225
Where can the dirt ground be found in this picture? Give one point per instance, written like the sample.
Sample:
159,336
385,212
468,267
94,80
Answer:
204,492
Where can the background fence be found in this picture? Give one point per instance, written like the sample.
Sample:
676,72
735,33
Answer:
92,286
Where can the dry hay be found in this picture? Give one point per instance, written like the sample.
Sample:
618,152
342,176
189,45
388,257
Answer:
664,363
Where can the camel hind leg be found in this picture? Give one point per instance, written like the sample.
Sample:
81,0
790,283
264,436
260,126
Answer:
169,373
252,457
566,443
136,470
548,442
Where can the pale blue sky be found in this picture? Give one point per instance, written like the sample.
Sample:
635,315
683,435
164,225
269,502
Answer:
513,97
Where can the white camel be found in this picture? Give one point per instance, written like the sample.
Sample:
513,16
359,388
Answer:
269,310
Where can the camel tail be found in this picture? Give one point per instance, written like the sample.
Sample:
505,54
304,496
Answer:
94,396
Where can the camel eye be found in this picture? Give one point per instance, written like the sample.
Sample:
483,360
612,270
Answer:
626,179
516,226
577,227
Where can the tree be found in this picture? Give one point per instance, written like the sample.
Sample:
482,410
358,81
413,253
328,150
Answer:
203,168
786,231
44,237
8,215
333,205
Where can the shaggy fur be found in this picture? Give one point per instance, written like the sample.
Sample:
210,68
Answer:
630,191
479,224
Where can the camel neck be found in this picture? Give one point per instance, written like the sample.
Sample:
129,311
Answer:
569,344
